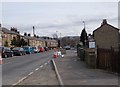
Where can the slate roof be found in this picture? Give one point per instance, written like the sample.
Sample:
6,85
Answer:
5,30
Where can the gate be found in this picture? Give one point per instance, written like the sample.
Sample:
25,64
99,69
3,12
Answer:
108,59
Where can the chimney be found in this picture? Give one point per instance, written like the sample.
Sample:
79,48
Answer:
29,35
12,29
34,35
25,34
15,30
104,22
18,32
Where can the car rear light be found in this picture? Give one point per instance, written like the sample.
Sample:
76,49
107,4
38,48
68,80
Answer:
3,51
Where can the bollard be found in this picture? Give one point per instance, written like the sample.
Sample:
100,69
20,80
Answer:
0,61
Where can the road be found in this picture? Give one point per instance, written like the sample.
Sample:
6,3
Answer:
14,69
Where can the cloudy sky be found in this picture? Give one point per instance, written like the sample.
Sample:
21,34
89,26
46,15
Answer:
64,17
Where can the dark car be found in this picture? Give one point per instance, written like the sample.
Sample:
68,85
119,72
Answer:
6,52
67,47
46,48
18,51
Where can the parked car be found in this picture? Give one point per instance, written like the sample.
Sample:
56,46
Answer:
6,52
18,51
36,49
28,50
46,48
67,47
41,49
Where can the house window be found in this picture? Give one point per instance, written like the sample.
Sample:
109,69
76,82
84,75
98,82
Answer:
12,36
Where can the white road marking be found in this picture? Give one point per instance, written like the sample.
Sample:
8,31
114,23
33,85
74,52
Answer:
30,73
20,80
41,66
36,69
45,64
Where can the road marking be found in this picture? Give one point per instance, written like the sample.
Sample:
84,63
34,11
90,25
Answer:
41,66
30,73
45,64
20,80
36,69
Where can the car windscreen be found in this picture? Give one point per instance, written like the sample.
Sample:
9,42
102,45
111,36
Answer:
16,48
26,48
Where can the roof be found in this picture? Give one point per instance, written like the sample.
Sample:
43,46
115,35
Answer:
107,25
5,30
49,40
33,38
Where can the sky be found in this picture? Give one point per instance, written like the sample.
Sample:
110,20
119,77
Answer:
63,18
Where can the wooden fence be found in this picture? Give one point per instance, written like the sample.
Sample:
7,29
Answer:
108,59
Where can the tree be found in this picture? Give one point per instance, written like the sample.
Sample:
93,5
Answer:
23,42
13,42
18,43
55,36
83,37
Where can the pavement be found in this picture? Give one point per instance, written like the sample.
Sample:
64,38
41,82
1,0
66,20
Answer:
75,72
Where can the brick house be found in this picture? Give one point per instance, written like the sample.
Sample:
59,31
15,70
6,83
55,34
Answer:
106,36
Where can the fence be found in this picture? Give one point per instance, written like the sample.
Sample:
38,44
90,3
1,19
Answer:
108,59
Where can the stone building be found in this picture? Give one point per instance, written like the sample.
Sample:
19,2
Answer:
106,36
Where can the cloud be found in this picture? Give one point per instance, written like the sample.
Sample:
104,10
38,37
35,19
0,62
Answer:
63,17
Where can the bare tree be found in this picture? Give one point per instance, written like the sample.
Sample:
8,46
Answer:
55,36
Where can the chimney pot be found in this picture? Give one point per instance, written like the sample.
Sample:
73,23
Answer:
104,22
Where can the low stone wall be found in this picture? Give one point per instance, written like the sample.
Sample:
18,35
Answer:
90,57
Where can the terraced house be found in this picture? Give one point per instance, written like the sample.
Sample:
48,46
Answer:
9,35
33,41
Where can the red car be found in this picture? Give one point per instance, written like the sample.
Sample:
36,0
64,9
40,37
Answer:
41,49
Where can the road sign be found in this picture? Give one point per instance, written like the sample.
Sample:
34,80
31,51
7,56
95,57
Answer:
92,44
